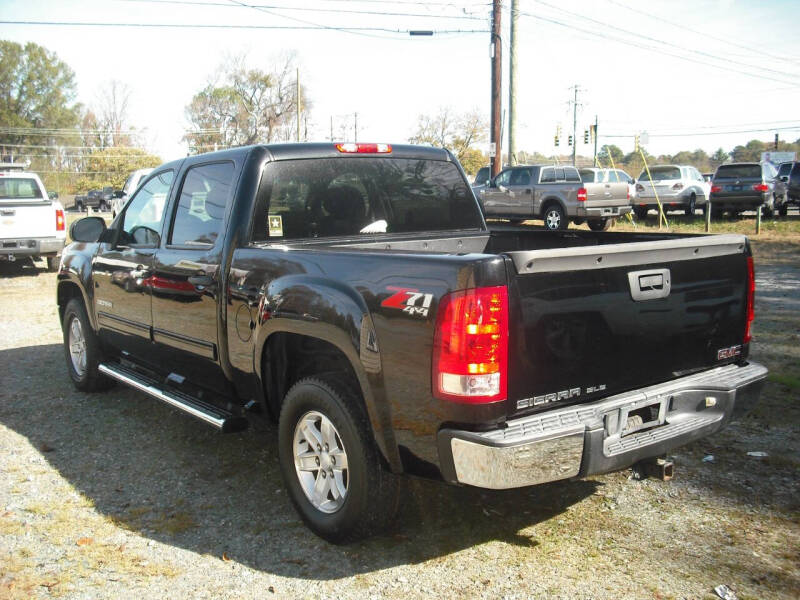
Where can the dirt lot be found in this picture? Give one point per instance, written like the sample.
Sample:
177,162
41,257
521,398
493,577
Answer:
115,495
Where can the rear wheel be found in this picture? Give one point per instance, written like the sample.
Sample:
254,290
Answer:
640,212
554,217
690,208
333,470
599,224
82,349
53,263
768,209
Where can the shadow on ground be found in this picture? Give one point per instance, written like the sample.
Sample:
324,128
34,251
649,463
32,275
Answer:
168,477
23,267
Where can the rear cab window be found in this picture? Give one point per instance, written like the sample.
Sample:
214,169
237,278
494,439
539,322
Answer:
20,188
739,172
302,199
571,175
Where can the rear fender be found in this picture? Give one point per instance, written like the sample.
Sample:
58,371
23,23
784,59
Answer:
328,310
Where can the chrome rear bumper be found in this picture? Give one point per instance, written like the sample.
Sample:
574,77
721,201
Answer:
603,436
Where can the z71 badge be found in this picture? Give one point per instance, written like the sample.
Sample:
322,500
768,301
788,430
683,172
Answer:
409,300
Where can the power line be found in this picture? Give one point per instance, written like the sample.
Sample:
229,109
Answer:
702,133
573,27
220,26
705,34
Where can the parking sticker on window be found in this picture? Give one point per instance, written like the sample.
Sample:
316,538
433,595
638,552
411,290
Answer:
275,223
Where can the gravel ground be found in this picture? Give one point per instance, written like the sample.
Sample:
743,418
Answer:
116,495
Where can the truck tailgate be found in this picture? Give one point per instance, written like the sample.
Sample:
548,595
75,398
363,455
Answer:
591,321
606,194
27,219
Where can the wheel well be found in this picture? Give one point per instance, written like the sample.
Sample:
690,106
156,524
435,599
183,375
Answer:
66,292
289,357
550,202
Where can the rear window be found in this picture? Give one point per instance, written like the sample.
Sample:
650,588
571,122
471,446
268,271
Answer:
19,188
571,175
739,171
355,196
661,174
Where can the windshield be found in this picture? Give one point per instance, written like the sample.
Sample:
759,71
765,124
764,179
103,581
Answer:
351,196
16,188
739,171
661,174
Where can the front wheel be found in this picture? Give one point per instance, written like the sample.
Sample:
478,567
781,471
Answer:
82,349
554,218
330,464
599,224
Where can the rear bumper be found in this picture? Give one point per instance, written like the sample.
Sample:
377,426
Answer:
598,212
668,200
718,200
21,247
588,439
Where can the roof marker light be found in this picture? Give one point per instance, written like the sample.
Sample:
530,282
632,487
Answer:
355,148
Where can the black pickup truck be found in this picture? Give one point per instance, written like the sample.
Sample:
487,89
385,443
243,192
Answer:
354,293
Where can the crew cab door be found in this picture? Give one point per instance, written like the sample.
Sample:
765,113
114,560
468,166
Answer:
186,274
122,269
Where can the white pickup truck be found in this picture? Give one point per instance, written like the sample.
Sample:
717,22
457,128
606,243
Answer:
31,225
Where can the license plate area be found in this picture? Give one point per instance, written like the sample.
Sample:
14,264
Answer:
646,416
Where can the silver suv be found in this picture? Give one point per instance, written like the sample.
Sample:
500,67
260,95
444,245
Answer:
679,187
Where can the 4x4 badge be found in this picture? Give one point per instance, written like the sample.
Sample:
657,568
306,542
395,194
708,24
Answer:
409,300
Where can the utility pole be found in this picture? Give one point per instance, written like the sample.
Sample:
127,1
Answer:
595,141
575,88
331,127
297,98
512,84
355,127
497,72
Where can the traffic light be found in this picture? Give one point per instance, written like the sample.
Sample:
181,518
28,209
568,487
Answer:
585,136
636,144
556,140
569,142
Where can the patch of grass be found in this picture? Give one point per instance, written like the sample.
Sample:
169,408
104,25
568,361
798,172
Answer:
790,381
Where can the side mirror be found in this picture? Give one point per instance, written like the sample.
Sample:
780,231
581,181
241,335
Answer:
88,229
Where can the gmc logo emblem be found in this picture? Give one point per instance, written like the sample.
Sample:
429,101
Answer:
724,353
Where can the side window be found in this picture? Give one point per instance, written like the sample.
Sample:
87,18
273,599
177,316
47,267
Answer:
141,225
503,178
548,175
521,177
201,205
611,177
572,175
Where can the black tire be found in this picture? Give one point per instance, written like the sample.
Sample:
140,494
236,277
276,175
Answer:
640,212
53,262
372,492
578,221
768,209
554,217
692,205
599,224
88,379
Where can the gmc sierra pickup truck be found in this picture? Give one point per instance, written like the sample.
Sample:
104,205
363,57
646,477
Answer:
556,195
354,293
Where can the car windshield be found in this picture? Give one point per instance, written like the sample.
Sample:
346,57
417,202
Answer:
14,188
739,172
352,196
661,174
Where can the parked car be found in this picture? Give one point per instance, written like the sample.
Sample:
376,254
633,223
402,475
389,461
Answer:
783,182
482,177
133,181
738,187
95,199
31,224
676,186
354,293
554,194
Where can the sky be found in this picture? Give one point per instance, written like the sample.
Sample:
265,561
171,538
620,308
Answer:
686,72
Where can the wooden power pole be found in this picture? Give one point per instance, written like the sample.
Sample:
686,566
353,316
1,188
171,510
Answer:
497,73
512,85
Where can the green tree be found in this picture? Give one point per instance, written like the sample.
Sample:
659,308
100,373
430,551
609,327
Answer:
719,157
112,167
610,150
37,90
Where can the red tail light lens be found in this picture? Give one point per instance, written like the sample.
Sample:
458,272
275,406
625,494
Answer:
582,195
761,187
715,189
60,223
751,296
677,186
470,346
353,148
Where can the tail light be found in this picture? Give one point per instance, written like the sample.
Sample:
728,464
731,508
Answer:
677,186
639,187
353,148
629,193
470,346
60,224
751,295
582,195
715,189
761,187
